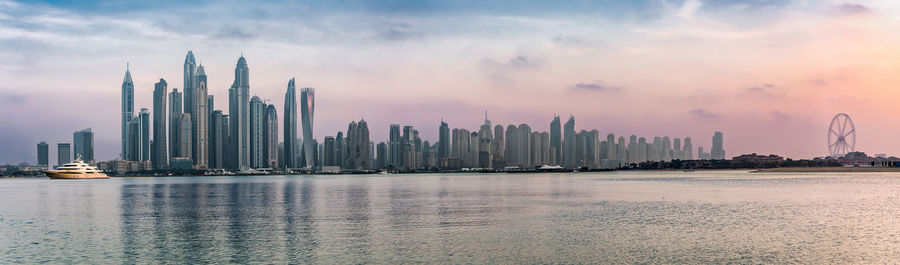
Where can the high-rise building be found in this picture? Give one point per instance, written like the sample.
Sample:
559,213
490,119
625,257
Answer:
290,126
718,150
556,141
408,147
394,146
512,154
200,124
328,152
83,142
63,151
443,149
127,109
621,150
339,149
257,118
210,129
677,153
688,149
160,156
184,136
537,158
217,140
43,154
569,141
307,109
611,147
524,148
545,149
357,156
499,147
485,148
144,118
175,112
382,154
239,114
270,143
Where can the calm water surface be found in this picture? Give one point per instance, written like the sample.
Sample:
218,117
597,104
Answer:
634,217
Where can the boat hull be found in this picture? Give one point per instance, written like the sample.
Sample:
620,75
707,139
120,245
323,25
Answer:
72,175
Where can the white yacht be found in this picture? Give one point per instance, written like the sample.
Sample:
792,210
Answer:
76,170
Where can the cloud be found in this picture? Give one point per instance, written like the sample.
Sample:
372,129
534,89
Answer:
763,89
850,9
569,40
399,32
689,8
596,86
234,33
702,113
514,63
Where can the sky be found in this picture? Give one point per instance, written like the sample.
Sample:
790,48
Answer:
769,74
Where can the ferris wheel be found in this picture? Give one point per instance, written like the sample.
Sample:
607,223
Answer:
841,136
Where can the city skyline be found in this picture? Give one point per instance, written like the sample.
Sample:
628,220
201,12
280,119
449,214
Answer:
361,86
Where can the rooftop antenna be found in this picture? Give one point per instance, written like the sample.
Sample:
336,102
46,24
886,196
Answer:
127,66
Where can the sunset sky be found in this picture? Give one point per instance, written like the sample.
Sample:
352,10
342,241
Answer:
769,74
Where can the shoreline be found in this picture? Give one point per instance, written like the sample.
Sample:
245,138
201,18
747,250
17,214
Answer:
826,169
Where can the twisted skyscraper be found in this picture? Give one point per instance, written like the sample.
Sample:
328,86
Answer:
307,107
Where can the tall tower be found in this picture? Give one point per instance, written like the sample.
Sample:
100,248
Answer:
257,116
190,68
290,126
239,112
485,137
443,141
43,151
127,109
200,120
307,109
569,149
717,152
270,144
394,146
175,112
160,156
555,141
83,143
688,149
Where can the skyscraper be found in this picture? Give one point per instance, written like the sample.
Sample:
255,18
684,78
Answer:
257,117
394,146
499,146
63,151
688,149
556,141
611,147
339,149
290,126
328,152
524,146
270,144
160,156
408,148
239,113
357,156
485,137
443,151
184,135
175,112
83,142
569,141
217,140
199,115
144,118
127,109
717,152
513,153
307,109
43,154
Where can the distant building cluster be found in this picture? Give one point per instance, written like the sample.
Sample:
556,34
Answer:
183,131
